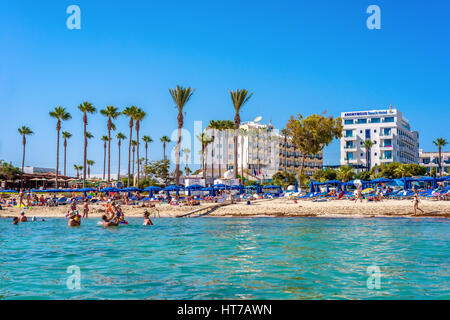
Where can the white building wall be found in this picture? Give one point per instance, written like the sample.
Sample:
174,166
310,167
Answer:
387,129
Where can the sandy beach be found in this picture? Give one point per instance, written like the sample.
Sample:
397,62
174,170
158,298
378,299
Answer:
264,208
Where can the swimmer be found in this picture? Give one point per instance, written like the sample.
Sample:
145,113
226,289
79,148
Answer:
22,217
147,221
15,220
74,220
108,223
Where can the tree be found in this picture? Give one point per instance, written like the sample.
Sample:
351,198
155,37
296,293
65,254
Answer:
285,133
120,136
440,142
187,152
164,140
60,114
243,133
147,140
313,133
78,168
180,97
205,140
284,179
345,173
130,112
88,136
110,112
90,163
24,131
105,140
85,108
368,144
324,175
8,171
239,97
402,171
66,135
213,125
158,170
138,117
133,145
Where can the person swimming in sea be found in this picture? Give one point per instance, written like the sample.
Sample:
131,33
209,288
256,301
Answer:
74,220
147,221
109,222
15,220
22,217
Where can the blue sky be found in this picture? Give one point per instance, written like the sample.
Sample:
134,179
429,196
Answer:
297,56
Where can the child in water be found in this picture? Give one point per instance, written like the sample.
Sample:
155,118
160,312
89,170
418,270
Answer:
85,209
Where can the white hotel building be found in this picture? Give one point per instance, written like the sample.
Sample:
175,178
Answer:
392,137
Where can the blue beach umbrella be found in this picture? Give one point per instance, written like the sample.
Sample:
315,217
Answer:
9,191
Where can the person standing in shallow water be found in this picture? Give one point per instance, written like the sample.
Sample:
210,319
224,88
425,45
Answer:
416,202
147,221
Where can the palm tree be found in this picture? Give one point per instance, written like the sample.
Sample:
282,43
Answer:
213,125
239,97
90,163
110,112
120,136
86,108
345,173
368,146
147,140
164,140
242,132
66,135
440,142
180,97
130,112
78,168
138,117
88,136
60,114
402,171
24,131
227,125
105,140
133,144
285,134
187,152
204,140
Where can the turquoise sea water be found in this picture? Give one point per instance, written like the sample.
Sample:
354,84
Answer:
215,258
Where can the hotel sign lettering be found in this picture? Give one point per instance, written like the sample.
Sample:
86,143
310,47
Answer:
366,113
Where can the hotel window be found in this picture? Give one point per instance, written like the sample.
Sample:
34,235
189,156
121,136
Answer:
387,143
348,121
367,133
349,133
375,120
389,119
361,121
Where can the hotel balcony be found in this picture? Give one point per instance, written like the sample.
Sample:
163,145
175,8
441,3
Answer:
386,147
350,137
385,159
350,160
350,148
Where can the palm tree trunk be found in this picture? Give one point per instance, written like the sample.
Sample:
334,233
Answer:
24,142
146,158
285,153
104,161
302,167
220,159
57,157
85,150
133,166
109,149
137,153
242,159
129,153
212,153
164,151
118,170
235,164
440,162
177,157
65,153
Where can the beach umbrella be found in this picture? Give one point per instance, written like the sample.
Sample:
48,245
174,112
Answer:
110,189
130,189
381,180
9,191
152,189
296,187
194,187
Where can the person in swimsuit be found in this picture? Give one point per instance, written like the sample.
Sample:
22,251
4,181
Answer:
15,220
359,194
147,221
416,202
108,222
22,217
21,195
74,220
85,209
